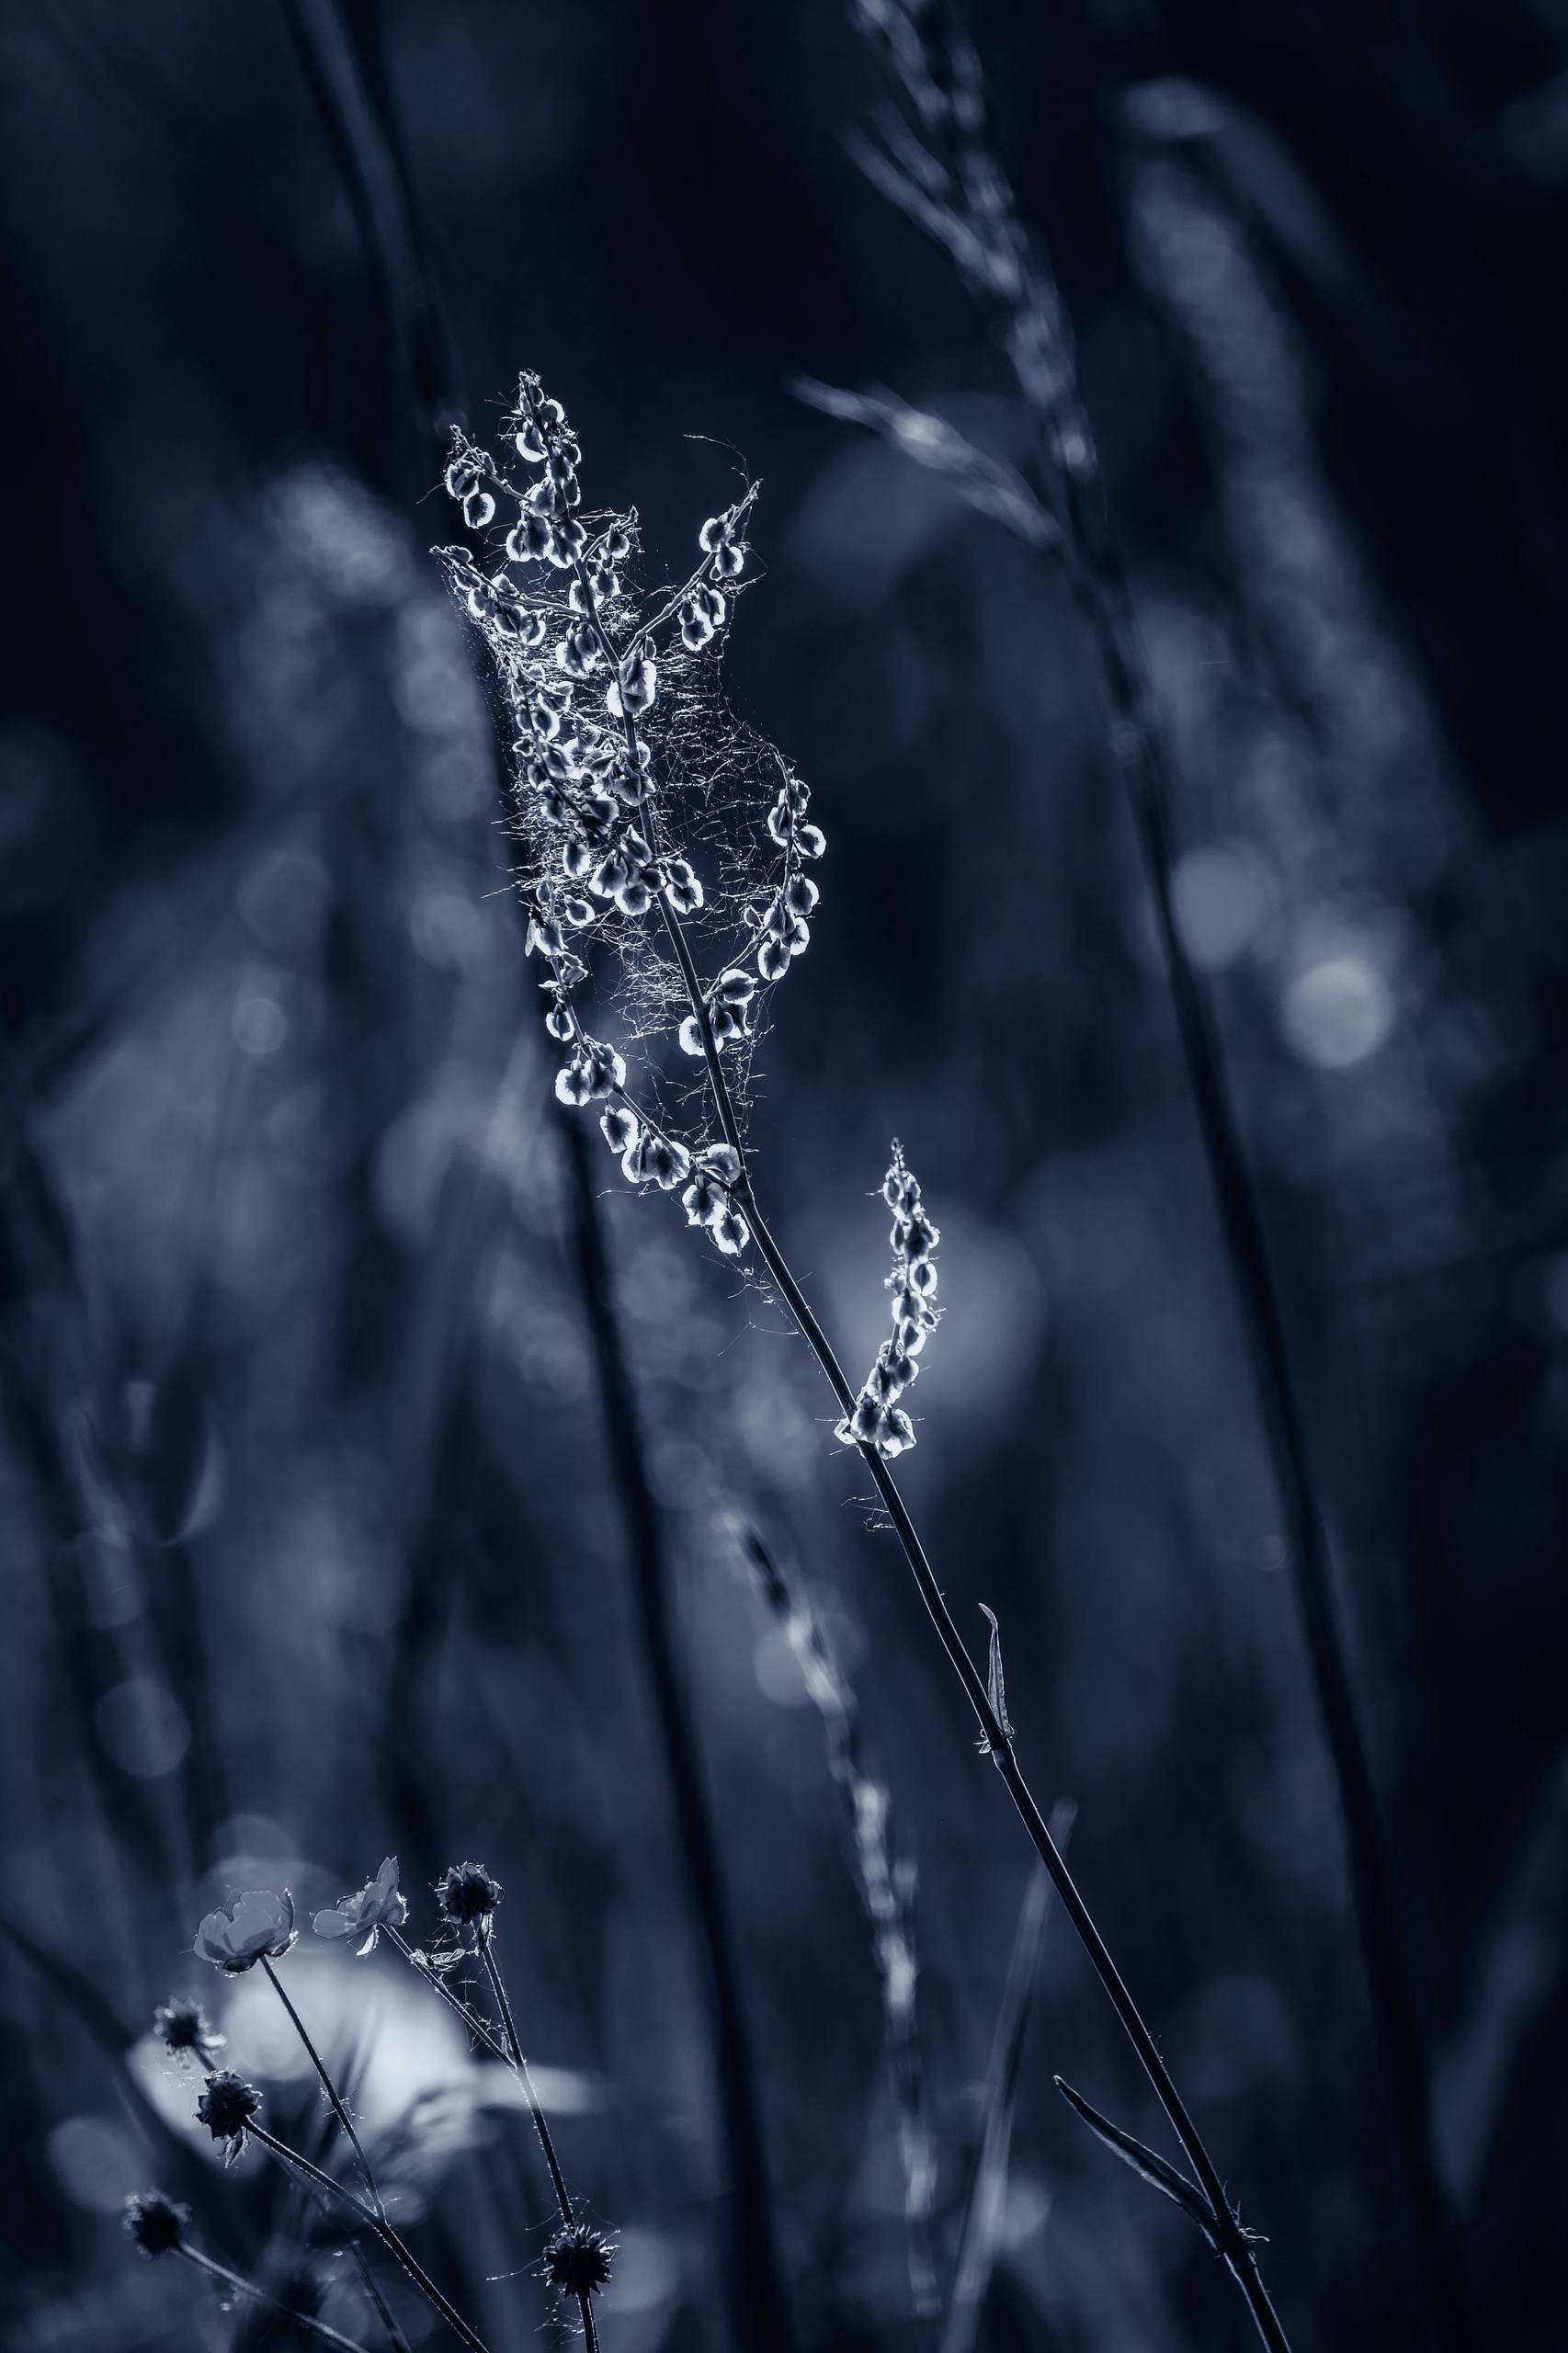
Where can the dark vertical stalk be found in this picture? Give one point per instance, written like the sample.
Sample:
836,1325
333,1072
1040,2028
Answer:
1232,2241
1371,1869
757,2287
343,65
1014,286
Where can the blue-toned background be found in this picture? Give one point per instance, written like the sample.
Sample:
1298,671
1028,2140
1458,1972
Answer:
312,1550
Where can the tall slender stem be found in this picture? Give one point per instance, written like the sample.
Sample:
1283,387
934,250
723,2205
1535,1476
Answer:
239,2286
756,2288
377,2222
1233,2243
521,2068
335,2100
1231,2240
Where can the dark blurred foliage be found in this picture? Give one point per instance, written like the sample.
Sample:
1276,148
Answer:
310,1547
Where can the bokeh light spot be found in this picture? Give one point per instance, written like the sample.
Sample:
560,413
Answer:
1338,1012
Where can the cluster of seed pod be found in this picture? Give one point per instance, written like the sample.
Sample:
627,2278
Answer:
584,669
877,1418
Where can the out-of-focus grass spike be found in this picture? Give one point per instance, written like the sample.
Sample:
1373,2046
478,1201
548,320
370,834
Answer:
986,2210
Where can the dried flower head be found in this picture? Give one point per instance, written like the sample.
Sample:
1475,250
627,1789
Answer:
877,1419
634,798
226,2107
181,2026
577,2260
469,1897
156,2222
246,1929
379,1904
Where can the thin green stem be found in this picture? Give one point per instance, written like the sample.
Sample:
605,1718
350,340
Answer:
242,2287
377,2222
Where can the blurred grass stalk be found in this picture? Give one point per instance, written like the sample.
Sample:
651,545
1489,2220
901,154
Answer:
887,1886
343,62
986,2214
938,162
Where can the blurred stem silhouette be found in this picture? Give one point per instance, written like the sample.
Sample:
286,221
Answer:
368,2279
377,2222
757,2285
940,166
232,2283
340,47
887,1888
986,2214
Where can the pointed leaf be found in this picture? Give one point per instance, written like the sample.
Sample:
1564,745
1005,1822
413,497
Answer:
1147,2164
996,1688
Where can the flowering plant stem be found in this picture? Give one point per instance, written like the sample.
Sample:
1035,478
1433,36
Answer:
377,2222
238,2286
1233,2243
335,2098
519,2067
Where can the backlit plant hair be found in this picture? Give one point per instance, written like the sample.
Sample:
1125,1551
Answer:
632,814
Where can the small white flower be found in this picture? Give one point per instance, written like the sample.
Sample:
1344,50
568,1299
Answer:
702,1200
682,888
634,690
731,1232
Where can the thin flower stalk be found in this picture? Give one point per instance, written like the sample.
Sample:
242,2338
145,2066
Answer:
519,2067
181,2024
391,2239
589,684
937,161
578,2259
335,2098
